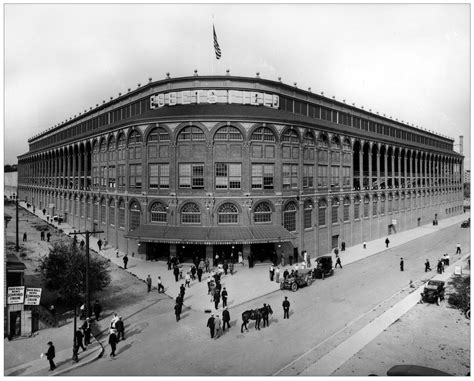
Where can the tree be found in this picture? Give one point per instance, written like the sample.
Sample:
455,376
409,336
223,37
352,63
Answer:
64,271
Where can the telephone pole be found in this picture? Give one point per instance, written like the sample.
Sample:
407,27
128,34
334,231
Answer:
87,234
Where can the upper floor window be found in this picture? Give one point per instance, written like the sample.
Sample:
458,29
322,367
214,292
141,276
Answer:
262,176
228,176
228,214
111,148
290,136
121,146
322,206
135,145
289,217
135,213
263,134
323,141
262,213
307,210
309,139
191,133
158,212
190,214
228,133
158,135
335,143
191,176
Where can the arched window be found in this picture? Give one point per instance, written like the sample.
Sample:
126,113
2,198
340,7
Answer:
88,208
262,213
190,214
112,212
309,139
264,134
374,204
156,136
307,218
103,150
290,136
356,207
83,206
95,152
390,202
323,141
121,216
402,198
322,206
134,217
191,133
347,204
346,145
95,209
395,204
382,203
158,212
228,133
335,143
366,206
228,214
334,210
77,205
121,147
289,217
135,145
111,148
103,211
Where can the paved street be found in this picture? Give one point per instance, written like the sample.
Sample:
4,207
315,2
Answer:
157,345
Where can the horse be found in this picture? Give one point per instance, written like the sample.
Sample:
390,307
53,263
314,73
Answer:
257,315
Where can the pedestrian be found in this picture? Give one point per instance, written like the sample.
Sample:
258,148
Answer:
225,319
168,262
104,244
225,267
206,263
48,236
224,295
176,272
125,260
427,266
53,313
402,263
50,355
119,326
113,341
148,282
97,310
286,308
187,279
160,285
86,329
365,245
241,258
387,241
218,326
458,248
24,237
193,272
338,262
446,259
440,266
82,244
209,281
271,272
217,298
210,325
199,273
266,323
99,244
79,337
285,274
177,311
114,320
343,246
179,300
44,211
231,268
277,274
42,235
182,291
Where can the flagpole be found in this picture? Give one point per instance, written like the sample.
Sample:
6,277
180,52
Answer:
213,51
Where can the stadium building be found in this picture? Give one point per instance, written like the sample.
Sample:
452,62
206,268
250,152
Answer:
219,164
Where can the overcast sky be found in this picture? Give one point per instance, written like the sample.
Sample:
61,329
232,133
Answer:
408,61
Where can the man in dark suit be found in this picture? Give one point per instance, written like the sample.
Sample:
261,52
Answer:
225,318
286,308
210,324
177,311
50,355
224,297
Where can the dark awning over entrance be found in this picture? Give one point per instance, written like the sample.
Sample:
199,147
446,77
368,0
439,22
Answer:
217,235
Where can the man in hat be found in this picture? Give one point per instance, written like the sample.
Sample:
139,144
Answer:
210,324
86,328
50,354
148,282
286,308
113,341
225,319
120,329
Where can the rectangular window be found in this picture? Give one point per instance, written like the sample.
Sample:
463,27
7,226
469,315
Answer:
346,212
290,176
135,177
326,114
159,176
322,216
356,122
335,176
228,176
111,176
121,175
308,176
346,176
262,176
323,156
322,175
191,176
334,216
103,176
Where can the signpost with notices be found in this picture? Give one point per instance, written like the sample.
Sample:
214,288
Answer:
16,295
33,296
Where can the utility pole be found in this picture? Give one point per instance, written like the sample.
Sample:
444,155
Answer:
17,246
87,234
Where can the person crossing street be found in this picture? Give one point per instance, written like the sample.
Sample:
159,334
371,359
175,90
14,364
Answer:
286,308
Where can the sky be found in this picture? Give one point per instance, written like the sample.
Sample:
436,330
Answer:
408,61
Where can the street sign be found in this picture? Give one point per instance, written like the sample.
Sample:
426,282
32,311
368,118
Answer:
16,295
32,296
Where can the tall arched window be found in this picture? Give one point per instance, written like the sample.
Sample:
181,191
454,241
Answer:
335,143
95,209
156,136
121,216
356,207
334,210
308,146
382,203
289,217
103,150
88,208
366,206
228,214
77,205
262,213
347,204
390,199
395,204
112,212
191,133
83,206
121,147
135,145
308,213
190,213
323,141
134,216
290,136
103,211
322,206
228,133
374,204
402,201
111,148
158,212
264,134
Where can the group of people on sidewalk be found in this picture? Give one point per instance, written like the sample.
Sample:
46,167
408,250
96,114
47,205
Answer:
116,332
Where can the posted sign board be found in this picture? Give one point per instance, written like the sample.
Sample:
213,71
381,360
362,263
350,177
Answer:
32,296
16,295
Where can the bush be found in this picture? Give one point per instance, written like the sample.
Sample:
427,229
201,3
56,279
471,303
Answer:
460,298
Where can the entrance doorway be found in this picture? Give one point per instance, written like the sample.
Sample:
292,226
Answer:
156,251
335,241
187,253
263,252
227,252
15,323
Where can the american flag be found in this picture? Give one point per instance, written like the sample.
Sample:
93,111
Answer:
216,44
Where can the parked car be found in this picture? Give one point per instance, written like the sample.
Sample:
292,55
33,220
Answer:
466,223
302,278
433,292
323,267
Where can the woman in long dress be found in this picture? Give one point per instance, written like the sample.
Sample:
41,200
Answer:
241,258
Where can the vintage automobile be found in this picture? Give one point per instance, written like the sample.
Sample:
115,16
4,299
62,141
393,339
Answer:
466,223
302,278
433,292
323,267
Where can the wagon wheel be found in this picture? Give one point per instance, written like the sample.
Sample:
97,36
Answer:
294,287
